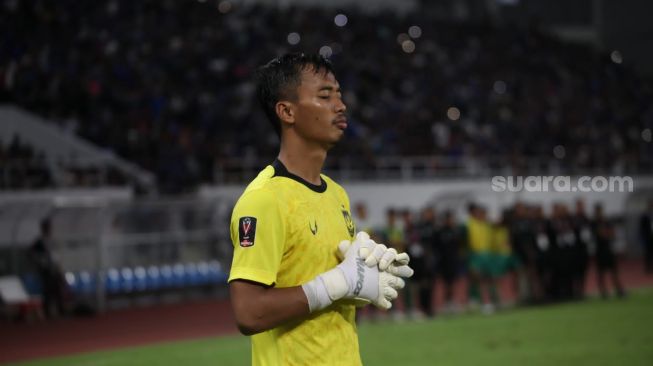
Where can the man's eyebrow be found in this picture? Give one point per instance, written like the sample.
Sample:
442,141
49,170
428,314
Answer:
330,88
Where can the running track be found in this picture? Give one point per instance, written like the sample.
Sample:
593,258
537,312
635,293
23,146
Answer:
140,326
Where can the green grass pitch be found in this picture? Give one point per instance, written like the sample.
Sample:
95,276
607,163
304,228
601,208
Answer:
595,332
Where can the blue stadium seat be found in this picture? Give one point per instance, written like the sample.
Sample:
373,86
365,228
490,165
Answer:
216,274
192,274
112,281
154,281
203,273
126,279
140,279
166,276
73,282
85,282
32,283
179,275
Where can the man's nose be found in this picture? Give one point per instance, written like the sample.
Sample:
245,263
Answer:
341,107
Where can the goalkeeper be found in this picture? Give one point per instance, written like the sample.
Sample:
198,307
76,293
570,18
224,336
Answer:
297,271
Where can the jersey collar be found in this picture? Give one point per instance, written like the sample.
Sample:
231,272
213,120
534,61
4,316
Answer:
281,171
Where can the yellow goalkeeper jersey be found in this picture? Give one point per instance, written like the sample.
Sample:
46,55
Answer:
286,231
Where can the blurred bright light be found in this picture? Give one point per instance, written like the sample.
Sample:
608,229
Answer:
453,113
647,135
340,20
293,38
326,51
615,56
559,152
403,37
499,87
408,46
224,7
415,31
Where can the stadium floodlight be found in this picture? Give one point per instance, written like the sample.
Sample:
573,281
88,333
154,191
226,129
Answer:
340,20
415,31
293,38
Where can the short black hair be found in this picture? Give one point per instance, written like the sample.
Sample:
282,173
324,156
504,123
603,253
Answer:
279,79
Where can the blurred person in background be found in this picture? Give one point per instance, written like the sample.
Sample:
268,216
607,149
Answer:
53,284
563,250
544,254
502,257
361,218
646,236
524,247
479,262
394,236
583,237
606,261
417,252
425,275
449,243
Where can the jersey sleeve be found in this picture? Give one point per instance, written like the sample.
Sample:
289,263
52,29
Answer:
257,233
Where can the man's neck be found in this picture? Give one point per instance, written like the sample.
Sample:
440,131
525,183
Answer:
303,162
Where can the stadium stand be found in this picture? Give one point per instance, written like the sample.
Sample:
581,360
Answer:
167,85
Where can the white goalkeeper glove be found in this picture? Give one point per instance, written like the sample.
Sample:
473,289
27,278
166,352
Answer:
352,279
387,258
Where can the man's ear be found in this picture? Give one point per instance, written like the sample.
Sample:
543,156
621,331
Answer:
286,112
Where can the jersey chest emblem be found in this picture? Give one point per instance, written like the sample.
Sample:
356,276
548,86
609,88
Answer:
349,222
313,227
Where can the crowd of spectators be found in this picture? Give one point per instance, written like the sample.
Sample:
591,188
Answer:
547,256
168,85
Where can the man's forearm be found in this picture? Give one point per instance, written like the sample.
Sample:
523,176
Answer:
258,308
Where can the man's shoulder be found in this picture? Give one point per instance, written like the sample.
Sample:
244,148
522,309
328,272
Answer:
332,184
259,191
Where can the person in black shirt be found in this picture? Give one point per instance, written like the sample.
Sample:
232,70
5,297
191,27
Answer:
449,242
583,236
563,240
544,256
605,258
646,235
425,259
52,280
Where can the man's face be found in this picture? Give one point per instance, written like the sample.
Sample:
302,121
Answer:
319,110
